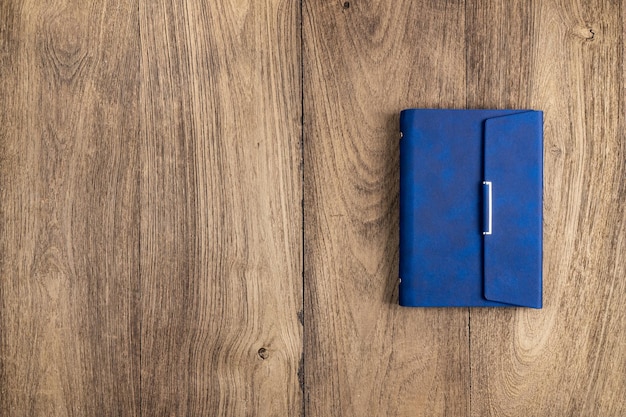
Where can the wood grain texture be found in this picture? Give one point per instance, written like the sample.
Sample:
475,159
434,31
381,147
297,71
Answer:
364,61
163,210
566,58
221,220
69,209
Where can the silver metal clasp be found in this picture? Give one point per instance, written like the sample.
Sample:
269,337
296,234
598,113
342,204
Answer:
488,204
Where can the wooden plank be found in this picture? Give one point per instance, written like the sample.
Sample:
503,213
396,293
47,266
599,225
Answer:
364,61
568,60
69,213
221,235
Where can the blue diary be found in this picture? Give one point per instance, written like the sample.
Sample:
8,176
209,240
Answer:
471,189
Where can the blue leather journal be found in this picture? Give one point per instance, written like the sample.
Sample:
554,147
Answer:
471,185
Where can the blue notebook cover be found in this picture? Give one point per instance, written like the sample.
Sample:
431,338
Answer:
471,185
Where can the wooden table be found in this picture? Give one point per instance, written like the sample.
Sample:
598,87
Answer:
199,208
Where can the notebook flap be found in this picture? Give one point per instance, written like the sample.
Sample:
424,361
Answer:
513,159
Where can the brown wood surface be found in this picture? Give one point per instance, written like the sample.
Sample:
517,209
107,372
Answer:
364,355
221,218
69,209
199,208
568,359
